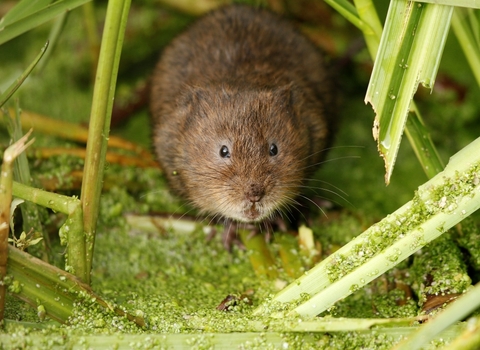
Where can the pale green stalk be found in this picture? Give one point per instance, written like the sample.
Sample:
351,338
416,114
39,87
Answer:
262,339
53,37
158,224
71,232
469,339
156,341
51,290
422,144
99,128
409,53
439,204
17,83
31,213
416,132
467,41
40,284
92,35
461,3
454,312
367,12
18,24
347,10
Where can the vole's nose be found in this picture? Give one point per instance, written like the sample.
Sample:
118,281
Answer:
254,192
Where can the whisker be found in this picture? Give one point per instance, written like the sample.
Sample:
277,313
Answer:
329,191
152,192
330,148
330,184
319,207
330,160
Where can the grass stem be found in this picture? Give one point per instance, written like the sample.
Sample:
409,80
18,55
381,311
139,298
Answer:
99,128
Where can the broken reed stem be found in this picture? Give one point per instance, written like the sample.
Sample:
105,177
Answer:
6,182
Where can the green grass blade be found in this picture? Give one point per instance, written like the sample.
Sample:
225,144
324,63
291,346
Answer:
71,232
454,312
460,3
469,339
23,9
418,135
55,290
12,30
17,83
422,144
347,10
99,127
409,53
468,42
31,213
367,12
434,209
53,37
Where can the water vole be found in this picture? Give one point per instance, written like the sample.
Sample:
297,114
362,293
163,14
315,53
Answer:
242,106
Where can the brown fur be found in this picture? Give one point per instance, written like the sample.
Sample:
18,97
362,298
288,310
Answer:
246,79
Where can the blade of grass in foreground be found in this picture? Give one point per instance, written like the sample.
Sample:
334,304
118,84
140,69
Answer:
416,132
292,336
414,35
99,127
439,204
51,290
455,312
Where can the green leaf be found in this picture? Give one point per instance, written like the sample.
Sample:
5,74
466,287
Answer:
368,14
410,51
17,83
23,9
461,3
21,25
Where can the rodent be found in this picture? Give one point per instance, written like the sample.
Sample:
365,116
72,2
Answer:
242,107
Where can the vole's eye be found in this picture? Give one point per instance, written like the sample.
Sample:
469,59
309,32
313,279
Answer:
224,152
273,150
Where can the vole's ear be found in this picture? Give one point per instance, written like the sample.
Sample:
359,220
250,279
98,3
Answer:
285,97
193,100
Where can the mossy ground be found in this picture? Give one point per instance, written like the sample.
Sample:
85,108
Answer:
176,280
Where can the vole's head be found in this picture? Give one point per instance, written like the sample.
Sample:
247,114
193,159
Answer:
245,153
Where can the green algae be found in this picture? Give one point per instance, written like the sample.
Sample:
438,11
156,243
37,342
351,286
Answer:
439,270
468,237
